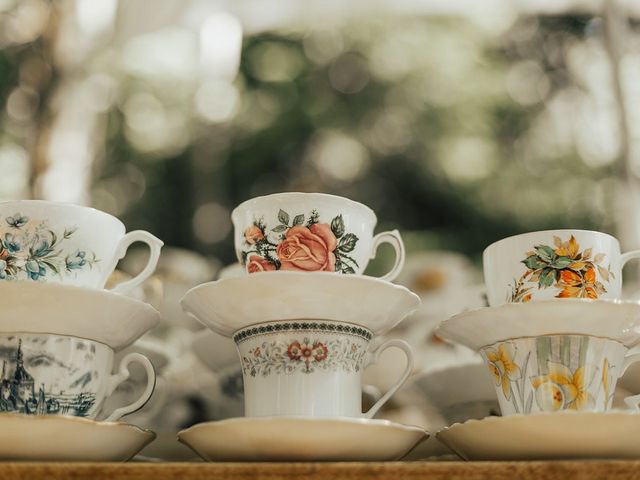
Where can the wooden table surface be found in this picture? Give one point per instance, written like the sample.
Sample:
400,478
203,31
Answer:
318,471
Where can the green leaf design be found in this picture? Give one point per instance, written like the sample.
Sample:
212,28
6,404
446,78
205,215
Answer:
283,217
298,220
547,277
279,228
545,253
337,227
533,262
347,243
562,262
347,269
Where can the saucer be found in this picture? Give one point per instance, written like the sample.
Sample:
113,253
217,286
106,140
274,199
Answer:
230,304
98,315
547,436
68,439
616,320
298,439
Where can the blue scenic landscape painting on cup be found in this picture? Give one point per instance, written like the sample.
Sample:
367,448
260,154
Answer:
32,250
34,381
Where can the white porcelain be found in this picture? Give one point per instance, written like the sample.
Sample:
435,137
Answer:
105,317
58,438
547,436
310,368
557,372
61,375
554,264
215,351
68,244
630,380
231,304
616,320
301,439
460,392
310,232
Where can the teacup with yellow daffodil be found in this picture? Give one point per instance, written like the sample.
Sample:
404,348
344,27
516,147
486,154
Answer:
554,264
557,372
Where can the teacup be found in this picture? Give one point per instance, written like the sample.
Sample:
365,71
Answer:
310,232
63,375
557,372
554,264
68,244
309,367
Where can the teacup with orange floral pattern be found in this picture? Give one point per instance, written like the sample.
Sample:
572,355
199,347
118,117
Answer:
554,264
552,373
310,232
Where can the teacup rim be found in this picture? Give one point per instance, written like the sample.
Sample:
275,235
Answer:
524,234
69,205
40,334
530,337
326,196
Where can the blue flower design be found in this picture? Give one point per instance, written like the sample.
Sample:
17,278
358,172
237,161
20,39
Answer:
35,269
11,243
17,221
76,261
3,269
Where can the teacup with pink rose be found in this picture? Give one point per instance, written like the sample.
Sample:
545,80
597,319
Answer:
310,232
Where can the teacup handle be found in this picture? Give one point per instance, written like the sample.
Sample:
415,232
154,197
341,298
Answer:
632,401
122,375
392,237
155,245
375,355
625,257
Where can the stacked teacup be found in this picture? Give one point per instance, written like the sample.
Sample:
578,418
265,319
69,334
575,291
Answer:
555,338
302,318
59,330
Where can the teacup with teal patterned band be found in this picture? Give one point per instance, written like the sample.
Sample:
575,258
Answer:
309,368
557,372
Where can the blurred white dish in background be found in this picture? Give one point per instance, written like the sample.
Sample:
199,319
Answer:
547,436
231,271
228,305
298,439
99,315
68,439
214,350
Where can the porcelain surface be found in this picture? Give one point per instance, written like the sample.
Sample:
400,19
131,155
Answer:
547,436
63,243
310,368
228,305
215,351
554,264
556,372
105,317
337,440
616,320
61,375
68,439
310,232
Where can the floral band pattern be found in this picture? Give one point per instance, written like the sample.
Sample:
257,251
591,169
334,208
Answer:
299,244
32,250
305,355
306,327
564,267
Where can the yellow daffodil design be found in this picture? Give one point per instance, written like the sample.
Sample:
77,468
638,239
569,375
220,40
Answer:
562,390
503,367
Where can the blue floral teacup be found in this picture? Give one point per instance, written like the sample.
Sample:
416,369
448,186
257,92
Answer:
63,243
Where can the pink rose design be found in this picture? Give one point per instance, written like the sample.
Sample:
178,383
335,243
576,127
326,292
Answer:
252,234
308,249
256,263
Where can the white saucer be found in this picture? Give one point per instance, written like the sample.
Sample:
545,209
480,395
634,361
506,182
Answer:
99,315
68,439
296,439
228,305
547,436
617,320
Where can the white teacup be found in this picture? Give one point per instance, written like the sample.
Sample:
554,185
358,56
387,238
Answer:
310,232
554,264
69,244
309,368
63,375
558,372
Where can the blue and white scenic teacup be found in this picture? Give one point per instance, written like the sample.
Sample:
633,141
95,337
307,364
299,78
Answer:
63,375
69,244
